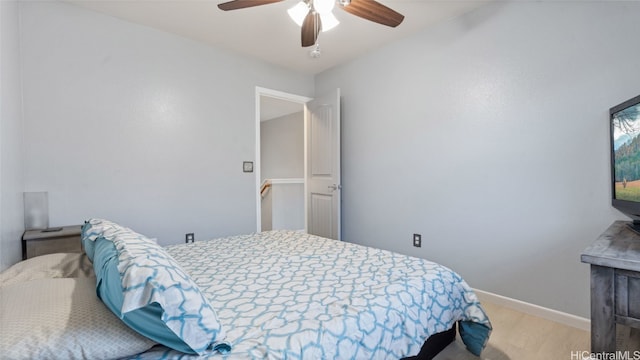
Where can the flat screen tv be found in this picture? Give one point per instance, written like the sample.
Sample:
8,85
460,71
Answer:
625,159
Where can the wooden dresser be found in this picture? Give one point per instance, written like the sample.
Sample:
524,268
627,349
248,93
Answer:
615,284
41,242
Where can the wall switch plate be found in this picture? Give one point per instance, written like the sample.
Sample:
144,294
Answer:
189,238
417,240
247,166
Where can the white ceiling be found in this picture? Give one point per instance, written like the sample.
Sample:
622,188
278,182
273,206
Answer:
266,32
271,108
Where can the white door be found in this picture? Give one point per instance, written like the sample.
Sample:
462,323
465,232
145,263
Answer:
323,166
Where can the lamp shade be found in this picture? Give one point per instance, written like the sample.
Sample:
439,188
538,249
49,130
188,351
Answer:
36,210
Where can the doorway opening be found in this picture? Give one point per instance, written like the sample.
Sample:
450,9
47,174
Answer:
280,160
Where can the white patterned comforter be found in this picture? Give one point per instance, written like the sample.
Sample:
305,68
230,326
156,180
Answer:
289,295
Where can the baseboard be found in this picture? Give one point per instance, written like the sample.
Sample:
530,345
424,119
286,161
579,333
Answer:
535,310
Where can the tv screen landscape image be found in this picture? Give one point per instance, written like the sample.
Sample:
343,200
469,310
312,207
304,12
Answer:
625,128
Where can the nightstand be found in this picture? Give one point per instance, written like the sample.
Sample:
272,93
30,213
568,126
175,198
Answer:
615,285
49,241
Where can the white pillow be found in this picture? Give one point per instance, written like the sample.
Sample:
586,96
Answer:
60,265
62,318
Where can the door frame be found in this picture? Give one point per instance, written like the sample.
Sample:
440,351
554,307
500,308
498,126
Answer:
302,100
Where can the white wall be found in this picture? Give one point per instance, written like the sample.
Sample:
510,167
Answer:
11,157
287,212
282,147
140,126
488,134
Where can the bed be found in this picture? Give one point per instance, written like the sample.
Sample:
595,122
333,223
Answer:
271,295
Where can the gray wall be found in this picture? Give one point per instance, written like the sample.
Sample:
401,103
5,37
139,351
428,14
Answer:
282,147
143,127
488,134
287,206
11,159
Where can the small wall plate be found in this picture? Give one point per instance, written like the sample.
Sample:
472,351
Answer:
247,166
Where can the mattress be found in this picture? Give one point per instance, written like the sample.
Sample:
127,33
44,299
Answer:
290,295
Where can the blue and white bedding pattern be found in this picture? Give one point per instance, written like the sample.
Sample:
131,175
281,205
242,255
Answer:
290,295
145,287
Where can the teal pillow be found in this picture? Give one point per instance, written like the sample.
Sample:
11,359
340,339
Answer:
87,244
171,310
146,321
146,288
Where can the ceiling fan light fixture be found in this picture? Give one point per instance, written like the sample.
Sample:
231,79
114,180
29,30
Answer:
324,6
299,12
329,21
314,16
315,52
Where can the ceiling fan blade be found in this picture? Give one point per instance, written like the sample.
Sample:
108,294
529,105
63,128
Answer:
311,28
373,11
241,4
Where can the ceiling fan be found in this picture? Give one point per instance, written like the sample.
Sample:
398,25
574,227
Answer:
315,12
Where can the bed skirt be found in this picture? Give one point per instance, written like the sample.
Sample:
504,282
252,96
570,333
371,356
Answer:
434,344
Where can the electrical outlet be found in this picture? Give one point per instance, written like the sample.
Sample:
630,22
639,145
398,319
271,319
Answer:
189,237
417,240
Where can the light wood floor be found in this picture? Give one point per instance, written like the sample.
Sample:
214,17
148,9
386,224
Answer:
519,336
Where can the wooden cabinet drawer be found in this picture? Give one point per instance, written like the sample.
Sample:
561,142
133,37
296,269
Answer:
38,242
627,297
